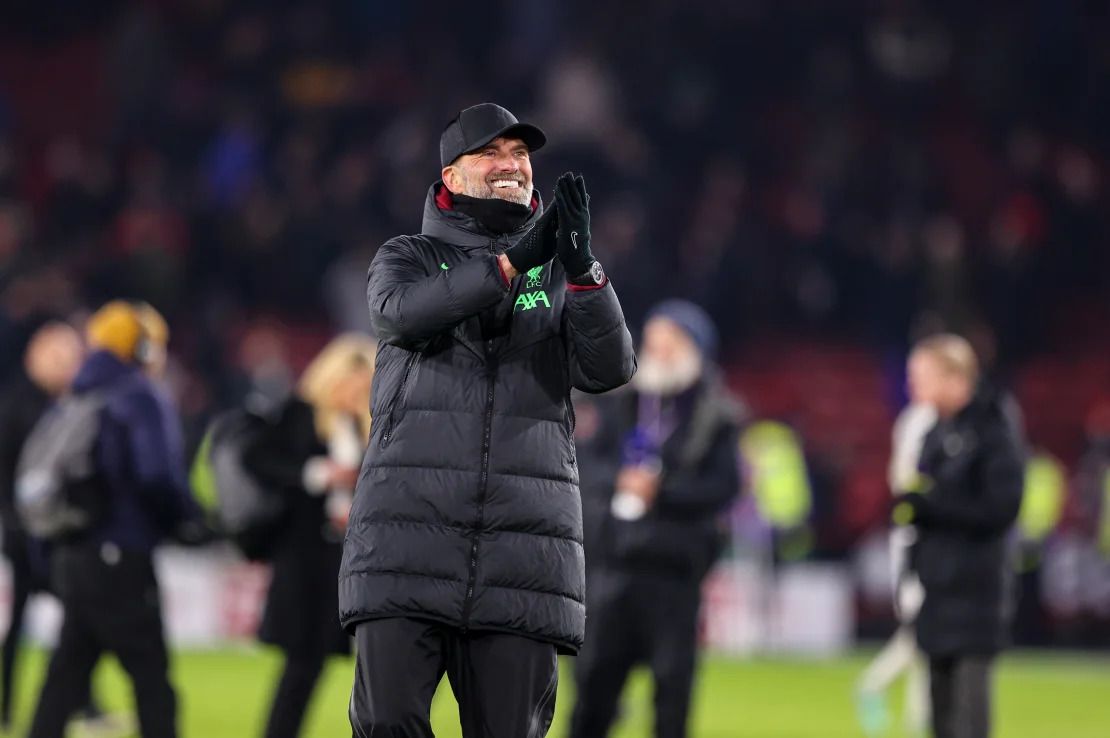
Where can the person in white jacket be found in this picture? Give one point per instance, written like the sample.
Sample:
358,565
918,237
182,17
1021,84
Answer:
901,655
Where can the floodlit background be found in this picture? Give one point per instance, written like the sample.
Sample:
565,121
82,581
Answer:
829,179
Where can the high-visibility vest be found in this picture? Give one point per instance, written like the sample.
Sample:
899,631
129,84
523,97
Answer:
777,469
1042,501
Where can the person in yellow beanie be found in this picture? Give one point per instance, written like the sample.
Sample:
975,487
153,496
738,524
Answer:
133,332
104,573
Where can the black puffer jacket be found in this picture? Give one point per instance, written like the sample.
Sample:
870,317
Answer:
467,510
975,462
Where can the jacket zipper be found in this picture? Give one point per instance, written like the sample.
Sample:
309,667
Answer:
413,360
483,484
483,477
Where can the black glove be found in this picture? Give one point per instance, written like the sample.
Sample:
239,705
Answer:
538,246
910,508
573,204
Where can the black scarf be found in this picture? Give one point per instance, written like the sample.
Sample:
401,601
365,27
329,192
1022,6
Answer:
497,215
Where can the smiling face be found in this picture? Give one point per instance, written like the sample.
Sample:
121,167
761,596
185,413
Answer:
501,169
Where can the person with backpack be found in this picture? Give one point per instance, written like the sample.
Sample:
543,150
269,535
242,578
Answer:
310,456
118,490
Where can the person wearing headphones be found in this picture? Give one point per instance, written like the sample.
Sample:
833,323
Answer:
104,573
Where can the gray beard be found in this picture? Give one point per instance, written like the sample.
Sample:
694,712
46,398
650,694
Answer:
656,378
483,191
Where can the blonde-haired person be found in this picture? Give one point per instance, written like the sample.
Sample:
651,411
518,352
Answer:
312,454
963,504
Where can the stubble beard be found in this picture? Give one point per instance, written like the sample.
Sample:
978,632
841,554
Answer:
476,187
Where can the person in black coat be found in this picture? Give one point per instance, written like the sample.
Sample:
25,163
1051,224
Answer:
311,454
663,467
51,361
464,552
964,505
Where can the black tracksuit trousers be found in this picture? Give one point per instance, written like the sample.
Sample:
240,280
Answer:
21,590
961,694
637,617
24,584
111,604
505,684
294,692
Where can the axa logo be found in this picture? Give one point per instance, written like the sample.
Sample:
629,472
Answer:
529,300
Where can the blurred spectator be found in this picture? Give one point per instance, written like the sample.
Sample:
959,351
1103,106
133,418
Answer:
963,504
901,655
104,574
667,468
312,455
1092,488
52,357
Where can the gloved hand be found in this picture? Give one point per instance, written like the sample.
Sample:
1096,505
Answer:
573,204
910,508
538,246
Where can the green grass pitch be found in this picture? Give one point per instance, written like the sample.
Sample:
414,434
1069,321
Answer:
224,694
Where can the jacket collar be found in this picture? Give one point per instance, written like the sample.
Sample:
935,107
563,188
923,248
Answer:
101,368
464,231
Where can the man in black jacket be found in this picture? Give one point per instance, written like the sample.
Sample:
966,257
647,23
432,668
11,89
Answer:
51,360
665,466
963,506
464,547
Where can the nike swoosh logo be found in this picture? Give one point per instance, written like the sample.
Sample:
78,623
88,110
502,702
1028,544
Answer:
574,239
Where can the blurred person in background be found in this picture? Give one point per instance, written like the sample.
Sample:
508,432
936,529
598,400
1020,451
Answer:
312,454
50,362
1042,506
1092,483
778,477
104,574
901,655
963,505
464,553
669,450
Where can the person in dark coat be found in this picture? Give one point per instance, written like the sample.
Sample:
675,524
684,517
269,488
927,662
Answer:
51,360
311,455
464,550
104,574
964,506
667,467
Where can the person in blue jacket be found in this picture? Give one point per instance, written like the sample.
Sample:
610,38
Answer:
104,574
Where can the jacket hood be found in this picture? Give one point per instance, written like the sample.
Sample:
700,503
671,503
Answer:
101,368
464,231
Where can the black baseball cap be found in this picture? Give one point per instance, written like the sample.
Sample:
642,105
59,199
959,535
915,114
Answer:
479,124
